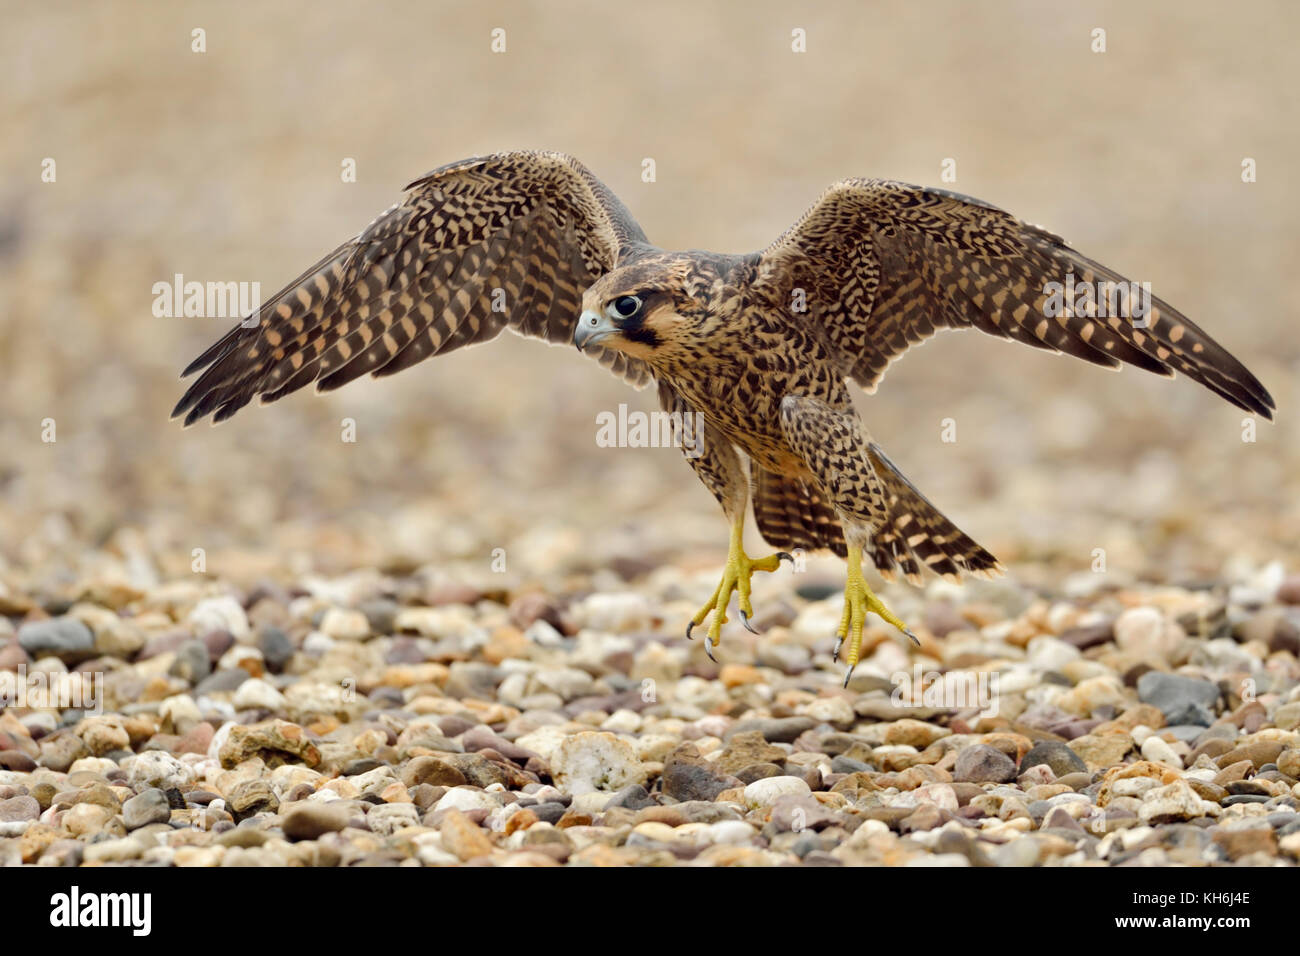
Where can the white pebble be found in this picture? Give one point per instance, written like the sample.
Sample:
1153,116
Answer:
765,792
467,798
255,693
219,614
615,613
595,761
343,624
1157,750
731,832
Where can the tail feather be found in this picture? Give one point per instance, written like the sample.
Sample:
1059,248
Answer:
917,532
793,514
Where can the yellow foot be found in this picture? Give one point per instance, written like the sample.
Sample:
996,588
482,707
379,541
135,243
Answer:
735,578
858,600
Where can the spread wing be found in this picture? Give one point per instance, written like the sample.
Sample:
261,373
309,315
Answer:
509,240
886,265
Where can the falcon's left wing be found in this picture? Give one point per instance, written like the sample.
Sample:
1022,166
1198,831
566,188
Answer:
885,265
511,239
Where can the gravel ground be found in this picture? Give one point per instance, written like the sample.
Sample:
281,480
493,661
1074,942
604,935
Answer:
386,720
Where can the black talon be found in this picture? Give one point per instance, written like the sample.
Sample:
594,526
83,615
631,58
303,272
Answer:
744,619
708,649
915,640
783,556
839,642
690,626
849,674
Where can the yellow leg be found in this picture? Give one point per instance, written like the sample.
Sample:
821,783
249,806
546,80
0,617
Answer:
735,579
858,600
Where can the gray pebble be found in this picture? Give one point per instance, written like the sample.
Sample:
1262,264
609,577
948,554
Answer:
1058,757
1183,700
633,797
63,637
775,730
148,806
276,648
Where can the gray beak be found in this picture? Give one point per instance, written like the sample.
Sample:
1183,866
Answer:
591,328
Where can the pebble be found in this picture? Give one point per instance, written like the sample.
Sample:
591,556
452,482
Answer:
104,734
830,710
386,819
614,613
1144,631
764,793
633,797
471,798
1157,750
591,760
980,763
309,820
22,809
1177,801
1056,756
1288,762
914,733
1021,852
684,781
274,741
343,624
747,749
1099,751
777,730
86,819
223,613
1182,700
277,650
66,638
191,662
156,769
462,838
257,694
148,806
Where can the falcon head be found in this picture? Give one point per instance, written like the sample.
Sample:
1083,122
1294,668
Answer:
651,309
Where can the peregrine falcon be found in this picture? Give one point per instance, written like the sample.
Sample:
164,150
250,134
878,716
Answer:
761,348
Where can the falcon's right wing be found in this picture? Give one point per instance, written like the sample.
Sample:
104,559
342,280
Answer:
512,239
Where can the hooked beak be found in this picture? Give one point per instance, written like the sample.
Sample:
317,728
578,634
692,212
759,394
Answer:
591,328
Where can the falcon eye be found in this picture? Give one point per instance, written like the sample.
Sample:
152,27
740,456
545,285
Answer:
626,306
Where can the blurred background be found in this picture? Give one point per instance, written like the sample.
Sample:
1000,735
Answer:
225,166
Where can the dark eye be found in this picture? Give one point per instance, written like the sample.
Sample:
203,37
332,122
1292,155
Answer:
626,306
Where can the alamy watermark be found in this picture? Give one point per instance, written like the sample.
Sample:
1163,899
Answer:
207,300
82,691
636,429
1098,300
954,690
74,909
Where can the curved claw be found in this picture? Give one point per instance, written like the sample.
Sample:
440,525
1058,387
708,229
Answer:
839,642
690,626
785,556
849,673
915,640
744,619
708,649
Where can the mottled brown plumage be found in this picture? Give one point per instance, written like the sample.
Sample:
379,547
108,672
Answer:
760,346
420,281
